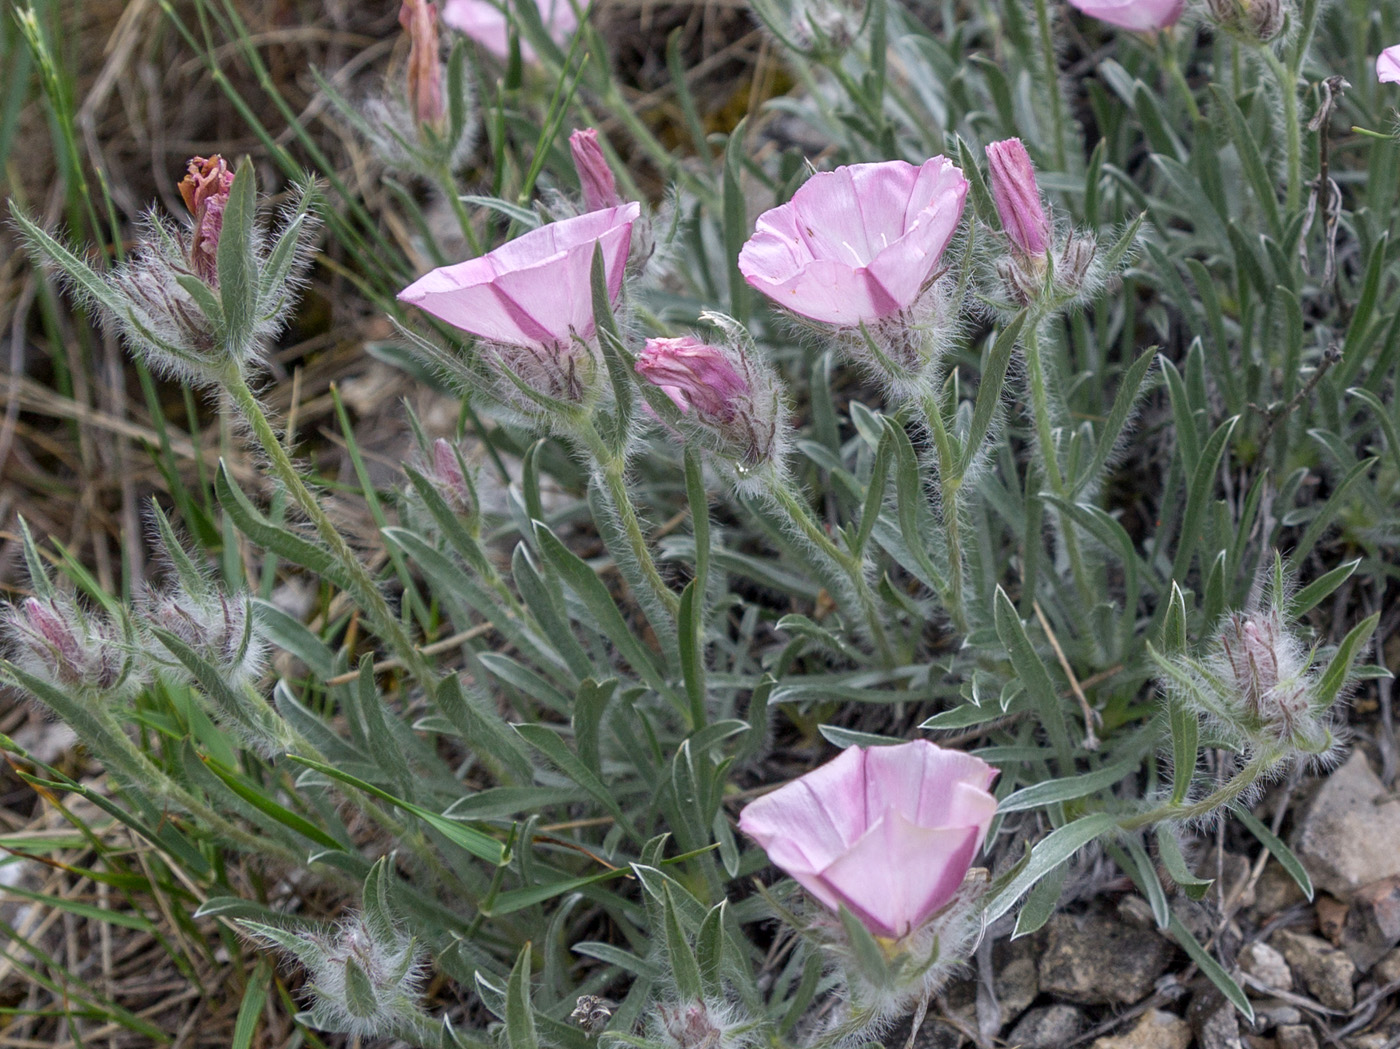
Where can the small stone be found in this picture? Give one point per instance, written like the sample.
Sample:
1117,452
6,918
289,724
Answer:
1137,912
1331,917
1258,1041
1270,1013
1275,891
1016,982
1327,973
1350,835
1047,1027
1387,971
1295,1036
1266,965
1235,874
1095,960
1373,923
1155,1029
1215,1021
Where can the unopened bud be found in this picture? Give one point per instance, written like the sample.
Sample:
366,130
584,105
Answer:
724,394
423,84
594,174
1017,198
218,627
452,483
1255,21
54,641
1268,672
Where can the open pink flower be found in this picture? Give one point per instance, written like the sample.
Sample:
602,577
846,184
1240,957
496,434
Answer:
694,375
486,23
1142,16
888,832
532,291
1388,65
1017,197
857,244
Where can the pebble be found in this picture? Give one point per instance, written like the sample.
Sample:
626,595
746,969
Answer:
1346,839
1215,1021
1270,1013
1331,917
1047,1027
1373,922
1016,981
1327,973
1296,1036
1274,891
1387,970
1266,965
1155,1029
1096,960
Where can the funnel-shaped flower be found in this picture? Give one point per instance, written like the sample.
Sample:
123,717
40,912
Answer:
205,190
486,22
1388,65
1142,16
599,185
857,244
534,290
889,832
1017,197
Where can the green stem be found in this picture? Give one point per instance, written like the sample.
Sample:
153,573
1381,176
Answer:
1052,75
1241,782
1167,47
611,466
1287,78
1045,438
362,586
949,488
854,567
464,219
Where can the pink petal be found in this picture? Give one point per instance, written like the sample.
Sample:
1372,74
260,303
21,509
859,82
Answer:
1142,16
931,786
487,24
898,873
1388,65
535,288
806,824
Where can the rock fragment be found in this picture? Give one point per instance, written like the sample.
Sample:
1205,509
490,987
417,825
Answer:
1155,1029
1325,972
1350,834
1094,960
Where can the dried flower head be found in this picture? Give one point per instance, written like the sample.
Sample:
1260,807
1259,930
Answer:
205,190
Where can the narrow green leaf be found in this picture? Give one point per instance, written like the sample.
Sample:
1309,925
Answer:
1169,852
1051,851
1211,968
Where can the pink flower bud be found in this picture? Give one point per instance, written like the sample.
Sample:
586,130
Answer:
1267,671
205,189
694,375
887,832
52,640
424,80
1142,16
1017,198
599,186
1388,65
449,476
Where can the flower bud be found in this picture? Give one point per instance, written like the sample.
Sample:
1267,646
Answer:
453,484
594,174
56,642
205,190
1269,675
423,83
700,1024
728,399
219,628
1017,198
1255,21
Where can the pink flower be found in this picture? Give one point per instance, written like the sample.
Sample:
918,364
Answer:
1388,65
205,190
1139,15
1017,197
888,832
419,20
693,374
487,23
532,291
859,243
599,186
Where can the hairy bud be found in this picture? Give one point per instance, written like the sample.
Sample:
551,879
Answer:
700,1024
205,190
1254,21
452,481
54,640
